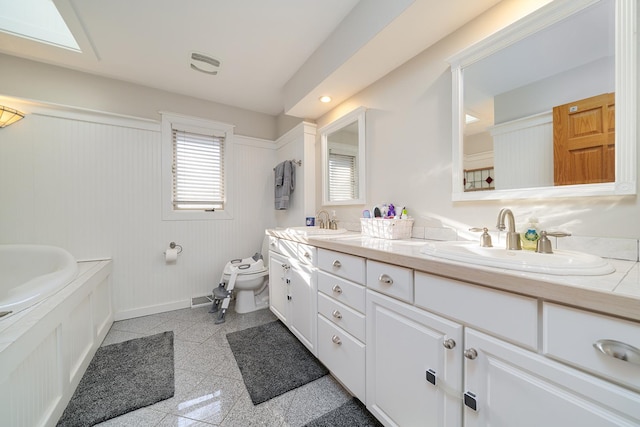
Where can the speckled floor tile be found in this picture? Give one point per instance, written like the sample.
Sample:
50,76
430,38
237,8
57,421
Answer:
209,389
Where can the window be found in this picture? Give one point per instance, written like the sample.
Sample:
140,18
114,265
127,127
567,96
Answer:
198,171
194,153
343,177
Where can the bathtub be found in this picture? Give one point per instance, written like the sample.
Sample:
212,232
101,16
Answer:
31,273
61,312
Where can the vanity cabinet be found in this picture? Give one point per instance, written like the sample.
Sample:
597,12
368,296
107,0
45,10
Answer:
341,318
414,365
506,385
292,288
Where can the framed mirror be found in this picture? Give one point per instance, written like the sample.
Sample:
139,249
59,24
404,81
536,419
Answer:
343,160
524,105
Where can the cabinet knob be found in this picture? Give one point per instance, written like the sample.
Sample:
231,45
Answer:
449,343
384,278
337,289
470,353
307,255
336,340
336,314
618,350
337,264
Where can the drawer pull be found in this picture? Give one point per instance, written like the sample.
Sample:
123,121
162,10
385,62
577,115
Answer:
336,340
337,264
337,289
307,255
618,350
449,343
336,314
470,353
385,279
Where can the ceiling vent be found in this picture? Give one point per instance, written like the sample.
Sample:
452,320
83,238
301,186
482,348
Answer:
204,63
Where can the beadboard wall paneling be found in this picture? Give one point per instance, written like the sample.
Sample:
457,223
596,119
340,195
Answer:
95,189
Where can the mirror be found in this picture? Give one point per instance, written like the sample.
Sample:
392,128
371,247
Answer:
343,160
511,89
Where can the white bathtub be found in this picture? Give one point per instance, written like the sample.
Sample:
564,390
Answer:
61,313
31,273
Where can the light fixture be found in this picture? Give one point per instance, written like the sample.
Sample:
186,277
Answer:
9,116
325,99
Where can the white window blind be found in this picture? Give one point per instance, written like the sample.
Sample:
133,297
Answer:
198,171
343,177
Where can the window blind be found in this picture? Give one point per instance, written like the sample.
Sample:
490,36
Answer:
198,171
343,177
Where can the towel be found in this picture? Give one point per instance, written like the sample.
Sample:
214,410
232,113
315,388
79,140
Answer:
284,184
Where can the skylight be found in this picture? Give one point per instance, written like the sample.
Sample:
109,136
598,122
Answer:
37,20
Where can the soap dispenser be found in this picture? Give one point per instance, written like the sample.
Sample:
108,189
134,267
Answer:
530,234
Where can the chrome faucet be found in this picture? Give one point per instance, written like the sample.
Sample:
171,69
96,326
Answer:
323,223
513,237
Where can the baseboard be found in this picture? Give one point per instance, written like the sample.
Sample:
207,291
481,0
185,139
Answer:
152,309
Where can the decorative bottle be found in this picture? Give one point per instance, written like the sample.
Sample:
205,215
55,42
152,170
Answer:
530,234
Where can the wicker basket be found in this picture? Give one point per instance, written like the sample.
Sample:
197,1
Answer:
391,229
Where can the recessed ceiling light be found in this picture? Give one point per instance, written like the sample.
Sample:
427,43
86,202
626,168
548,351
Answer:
325,99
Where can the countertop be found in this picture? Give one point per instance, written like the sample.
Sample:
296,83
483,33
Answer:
615,294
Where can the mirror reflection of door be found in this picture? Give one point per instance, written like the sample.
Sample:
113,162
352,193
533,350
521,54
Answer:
584,141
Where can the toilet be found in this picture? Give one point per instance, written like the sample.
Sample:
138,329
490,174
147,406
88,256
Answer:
252,280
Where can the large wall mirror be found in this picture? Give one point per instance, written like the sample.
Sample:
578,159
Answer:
343,160
547,106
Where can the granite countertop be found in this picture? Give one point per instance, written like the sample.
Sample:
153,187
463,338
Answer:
616,294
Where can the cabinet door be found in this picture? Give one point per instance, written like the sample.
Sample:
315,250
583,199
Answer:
405,357
510,386
278,287
302,303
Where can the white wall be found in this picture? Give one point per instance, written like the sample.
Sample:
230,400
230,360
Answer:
409,151
92,184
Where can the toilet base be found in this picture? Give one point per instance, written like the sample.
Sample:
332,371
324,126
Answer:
247,301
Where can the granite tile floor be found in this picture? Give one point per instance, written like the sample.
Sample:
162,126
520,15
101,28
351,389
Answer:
208,385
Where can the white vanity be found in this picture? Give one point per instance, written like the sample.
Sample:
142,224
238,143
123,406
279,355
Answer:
424,341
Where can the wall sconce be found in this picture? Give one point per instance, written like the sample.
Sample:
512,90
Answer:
9,116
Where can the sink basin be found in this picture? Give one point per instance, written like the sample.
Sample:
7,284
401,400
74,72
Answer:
315,231
563,263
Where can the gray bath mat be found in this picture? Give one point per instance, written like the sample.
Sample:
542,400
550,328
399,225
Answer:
121,378
272,361
351,414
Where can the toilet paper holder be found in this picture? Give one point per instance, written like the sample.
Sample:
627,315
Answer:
173,245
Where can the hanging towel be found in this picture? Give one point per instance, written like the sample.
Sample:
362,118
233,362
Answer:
284,187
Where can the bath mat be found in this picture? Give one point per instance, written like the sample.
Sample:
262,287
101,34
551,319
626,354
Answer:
272,361
351,414
123,377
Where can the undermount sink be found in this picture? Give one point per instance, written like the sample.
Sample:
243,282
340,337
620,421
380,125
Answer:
563,263
315,231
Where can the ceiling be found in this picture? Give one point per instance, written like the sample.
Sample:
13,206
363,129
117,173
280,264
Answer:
276,55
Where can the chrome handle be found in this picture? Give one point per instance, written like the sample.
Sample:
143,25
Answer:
619,350
470,353
337,264
336,314
449,343
307,255
385,279
337,289
336,339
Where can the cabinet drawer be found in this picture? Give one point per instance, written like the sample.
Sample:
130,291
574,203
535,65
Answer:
343,265
391,280
343,316
343,355
342,290
512,317
570,334
274,244
307,254
288,248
